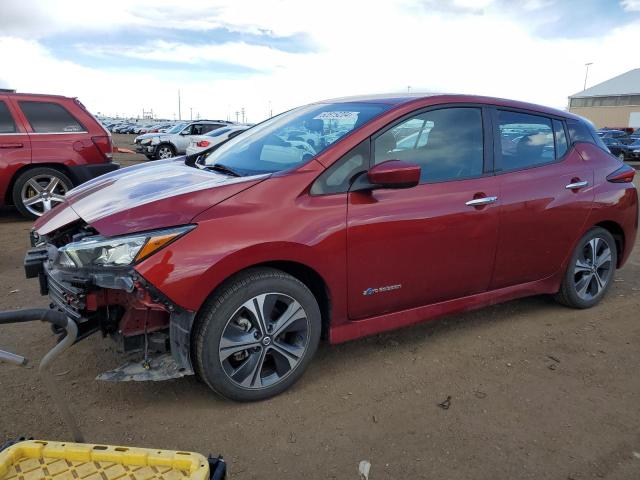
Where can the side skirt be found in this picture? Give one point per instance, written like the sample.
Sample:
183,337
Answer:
404,318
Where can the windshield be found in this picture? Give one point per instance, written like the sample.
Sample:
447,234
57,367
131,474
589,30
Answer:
177,128
292,138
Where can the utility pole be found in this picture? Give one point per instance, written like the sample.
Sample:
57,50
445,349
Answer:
242,110
179,108
237,113
270,110
408,88
190,113
586,74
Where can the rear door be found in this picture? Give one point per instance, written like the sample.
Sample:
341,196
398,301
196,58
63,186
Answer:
546,192
56,135
15,146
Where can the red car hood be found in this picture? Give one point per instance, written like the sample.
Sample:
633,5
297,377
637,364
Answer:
144,197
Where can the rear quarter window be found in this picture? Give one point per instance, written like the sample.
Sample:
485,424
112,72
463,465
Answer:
584,132
49,117
7,125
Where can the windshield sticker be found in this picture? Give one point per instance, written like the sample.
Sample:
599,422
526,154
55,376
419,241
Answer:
337,116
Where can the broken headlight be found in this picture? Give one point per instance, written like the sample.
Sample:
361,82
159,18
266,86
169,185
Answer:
116,251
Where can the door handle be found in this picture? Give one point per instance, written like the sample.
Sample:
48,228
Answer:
477,202
577,185
11,145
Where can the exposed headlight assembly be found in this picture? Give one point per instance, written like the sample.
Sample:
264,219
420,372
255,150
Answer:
101,251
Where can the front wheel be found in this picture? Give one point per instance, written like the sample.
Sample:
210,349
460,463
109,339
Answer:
590,271
165,151
256,336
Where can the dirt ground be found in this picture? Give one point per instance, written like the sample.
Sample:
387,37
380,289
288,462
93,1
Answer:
538,391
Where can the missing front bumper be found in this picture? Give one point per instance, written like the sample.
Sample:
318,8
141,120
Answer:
84,296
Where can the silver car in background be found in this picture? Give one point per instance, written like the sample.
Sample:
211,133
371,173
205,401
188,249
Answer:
214,138
175,141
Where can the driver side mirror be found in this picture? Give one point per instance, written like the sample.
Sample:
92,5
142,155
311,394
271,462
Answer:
389,174
185,132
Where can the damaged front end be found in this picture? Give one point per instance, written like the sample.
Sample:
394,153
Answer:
92,280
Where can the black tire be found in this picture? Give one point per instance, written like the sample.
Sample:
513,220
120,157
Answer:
65,184
150,157
219,312
569,294
160,148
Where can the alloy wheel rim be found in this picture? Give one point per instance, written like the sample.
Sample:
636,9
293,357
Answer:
592,270
264,341
42,192
165,152
621,156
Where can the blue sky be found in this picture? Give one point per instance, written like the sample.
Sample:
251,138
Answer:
224,55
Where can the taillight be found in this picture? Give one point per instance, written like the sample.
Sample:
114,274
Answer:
624,174
203,143
103,144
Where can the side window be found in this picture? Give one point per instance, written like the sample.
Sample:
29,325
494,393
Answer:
338,177
446,143
525,140
7,125
47,117
581,132
578,132
561,138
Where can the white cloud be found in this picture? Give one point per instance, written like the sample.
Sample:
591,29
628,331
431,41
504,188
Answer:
631,5
361,47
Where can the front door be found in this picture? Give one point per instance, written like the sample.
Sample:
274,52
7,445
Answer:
433,242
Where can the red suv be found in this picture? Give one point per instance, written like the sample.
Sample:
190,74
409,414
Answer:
340,219
48,144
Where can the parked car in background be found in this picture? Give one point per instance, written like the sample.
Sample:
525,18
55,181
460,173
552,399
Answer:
619,149
635,134
237,265
634,149
610,133
175,141
48,145
122,128
214,138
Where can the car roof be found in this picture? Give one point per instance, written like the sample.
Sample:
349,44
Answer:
428,98
41,95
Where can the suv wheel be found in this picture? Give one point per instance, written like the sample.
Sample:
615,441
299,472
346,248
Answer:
38,190
257,335
165,151
590,271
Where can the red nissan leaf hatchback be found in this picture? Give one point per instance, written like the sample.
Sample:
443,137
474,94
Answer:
340,219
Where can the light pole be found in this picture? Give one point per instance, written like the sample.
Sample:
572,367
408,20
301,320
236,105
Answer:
586,74
179,107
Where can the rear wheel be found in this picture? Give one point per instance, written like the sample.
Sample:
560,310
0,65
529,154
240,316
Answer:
621,157
591,269
38,190
257,335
